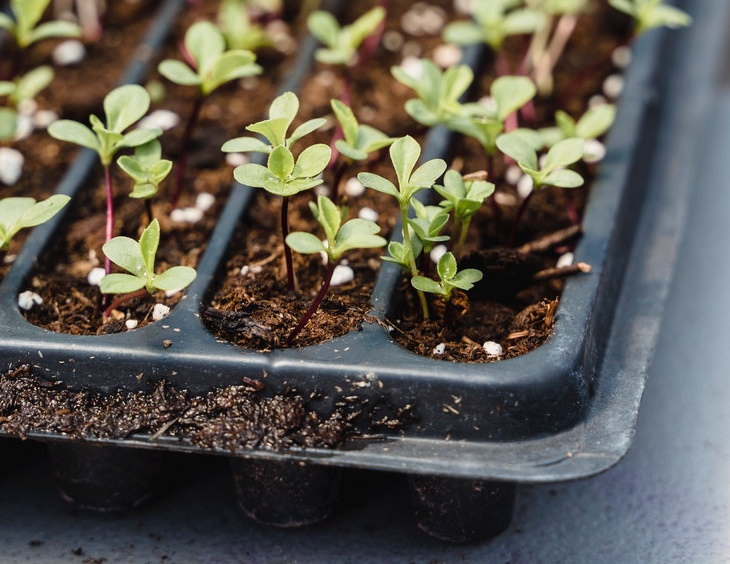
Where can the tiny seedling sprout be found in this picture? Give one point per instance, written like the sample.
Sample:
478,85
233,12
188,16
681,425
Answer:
283,175
21,213
25,28
240,29
342,42
449,278
358,142
17,91
591,125
147,169
649,14
438,92
341,237
463,195
138,259
404,154
123,106
485,123
211,67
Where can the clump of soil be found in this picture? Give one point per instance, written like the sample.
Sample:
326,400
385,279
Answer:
233,418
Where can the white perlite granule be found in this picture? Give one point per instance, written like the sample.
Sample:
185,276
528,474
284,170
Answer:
492,348
160,311
11,165
566,259
69,52
593,151
95,275
164,119
439,349
342,275
204,201
354,188
368,213
437,252
131,324
27,299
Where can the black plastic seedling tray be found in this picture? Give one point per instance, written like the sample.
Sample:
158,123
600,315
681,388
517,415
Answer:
477,429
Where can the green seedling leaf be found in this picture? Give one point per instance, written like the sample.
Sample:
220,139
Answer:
312,161
245,145
74,132
427,285
8,123
281,162
146,168
30,84
514,145
595,122
511,93
122,106
343,42
378,183
649,14
564,178
213,65
25,28
449,278
564,153
239,30
138,258
404,154
21,213
305,243
495,20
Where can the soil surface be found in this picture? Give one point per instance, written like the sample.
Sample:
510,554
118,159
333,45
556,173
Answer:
232,418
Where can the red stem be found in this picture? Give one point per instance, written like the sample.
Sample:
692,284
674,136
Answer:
123,299
182,163
109,213
315,304
518,218
287,250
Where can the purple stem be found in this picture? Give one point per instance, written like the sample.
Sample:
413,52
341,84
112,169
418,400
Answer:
287,250
518,217
123,299
315,304
182,164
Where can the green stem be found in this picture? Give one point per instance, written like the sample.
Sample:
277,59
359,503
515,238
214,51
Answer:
463,231
412,259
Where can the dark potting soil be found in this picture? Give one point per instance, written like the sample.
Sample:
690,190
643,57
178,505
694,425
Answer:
232,418
70,304
514,305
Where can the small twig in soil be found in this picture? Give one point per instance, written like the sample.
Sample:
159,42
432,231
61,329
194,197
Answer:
561,271
551,240
161,431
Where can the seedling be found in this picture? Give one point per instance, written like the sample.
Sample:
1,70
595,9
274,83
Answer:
138,259
494,21
147,168
358,141
282,112
449,278
342,42
404,154
20,213
591,125
486,122
23,88
551,173
354,234
211,67
282,175
438,92
427,225
123,106
239,28
25,29
549,41
649,14
463,195
346,46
